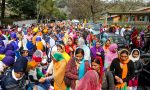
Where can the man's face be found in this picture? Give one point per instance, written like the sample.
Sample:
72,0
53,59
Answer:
19,74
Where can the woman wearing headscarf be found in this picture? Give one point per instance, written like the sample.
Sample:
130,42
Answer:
59,66
106,45
110,55
123,69
75,69
81,44
134,36
97,50
61,49
70,47
97,79
135,57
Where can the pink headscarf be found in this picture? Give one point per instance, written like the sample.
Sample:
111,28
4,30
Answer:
112,54
90,81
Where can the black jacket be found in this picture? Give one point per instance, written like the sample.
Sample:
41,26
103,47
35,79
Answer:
117,71
9,83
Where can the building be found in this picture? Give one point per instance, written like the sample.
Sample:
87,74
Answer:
141,15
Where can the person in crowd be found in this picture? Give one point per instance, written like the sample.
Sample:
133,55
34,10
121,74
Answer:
144,73
1,36
123,69
106,45
135,57
13,42
133,37
90,81
6,62
138,43
76,68
2,50
97,79
15,79
97,50
81,44
147,40
127,35
59,66
103,36
29,35
70,47
111,55
61,49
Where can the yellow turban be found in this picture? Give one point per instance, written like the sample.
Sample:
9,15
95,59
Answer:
45,30
35,29
32,64
1,56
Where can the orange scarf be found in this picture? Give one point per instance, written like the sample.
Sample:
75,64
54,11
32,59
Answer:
124,72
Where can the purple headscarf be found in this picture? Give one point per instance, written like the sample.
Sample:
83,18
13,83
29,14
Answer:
94,50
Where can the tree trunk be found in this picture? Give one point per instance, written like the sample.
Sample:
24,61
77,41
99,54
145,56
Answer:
93,14
3,9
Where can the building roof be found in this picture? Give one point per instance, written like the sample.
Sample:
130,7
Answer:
143,9
130,13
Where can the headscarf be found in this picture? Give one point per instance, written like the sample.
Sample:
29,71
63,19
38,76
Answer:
81,44
81,70
90,81
65,55
101,69
110,55
94,50
58,56
131,56
124,68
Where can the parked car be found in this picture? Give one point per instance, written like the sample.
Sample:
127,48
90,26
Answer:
119,40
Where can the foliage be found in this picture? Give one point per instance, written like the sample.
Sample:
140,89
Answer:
26,7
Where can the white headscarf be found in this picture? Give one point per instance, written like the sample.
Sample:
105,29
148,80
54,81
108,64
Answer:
131,56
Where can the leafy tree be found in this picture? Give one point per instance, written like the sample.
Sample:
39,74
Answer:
23,7
3,9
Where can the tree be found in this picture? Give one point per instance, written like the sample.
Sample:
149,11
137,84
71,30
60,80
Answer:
85,9
23,7
3,9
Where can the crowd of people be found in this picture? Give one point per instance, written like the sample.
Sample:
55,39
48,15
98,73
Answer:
66,56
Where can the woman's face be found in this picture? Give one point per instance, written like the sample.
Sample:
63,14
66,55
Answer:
123,56
79,57
97,44
59,49
108,43
69,42
96,66
135,54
